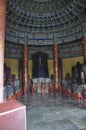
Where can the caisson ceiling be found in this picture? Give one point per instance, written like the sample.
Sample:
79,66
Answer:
38,21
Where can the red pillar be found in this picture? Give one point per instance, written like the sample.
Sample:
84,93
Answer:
84,47
25,69
56,77
2,35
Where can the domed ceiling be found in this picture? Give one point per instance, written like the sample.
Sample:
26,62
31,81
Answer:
38,21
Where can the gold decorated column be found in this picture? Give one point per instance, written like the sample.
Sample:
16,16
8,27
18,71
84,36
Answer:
84,47
56,75
2,37
25,69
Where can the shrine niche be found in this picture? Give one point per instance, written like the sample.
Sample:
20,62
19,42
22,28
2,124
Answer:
8,76
9,83
40,66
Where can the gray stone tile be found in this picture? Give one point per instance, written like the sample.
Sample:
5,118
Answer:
54,113
79,122
63,125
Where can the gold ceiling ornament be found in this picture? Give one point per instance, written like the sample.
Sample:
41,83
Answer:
1,44
2,6
2,10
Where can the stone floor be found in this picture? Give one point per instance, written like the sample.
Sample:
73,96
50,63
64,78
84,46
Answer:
54,112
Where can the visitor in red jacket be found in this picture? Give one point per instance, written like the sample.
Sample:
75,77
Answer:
43,88
33,89
51,88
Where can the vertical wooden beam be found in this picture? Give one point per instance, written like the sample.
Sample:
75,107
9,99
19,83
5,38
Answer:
84,47
2,37
25,69
56,75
